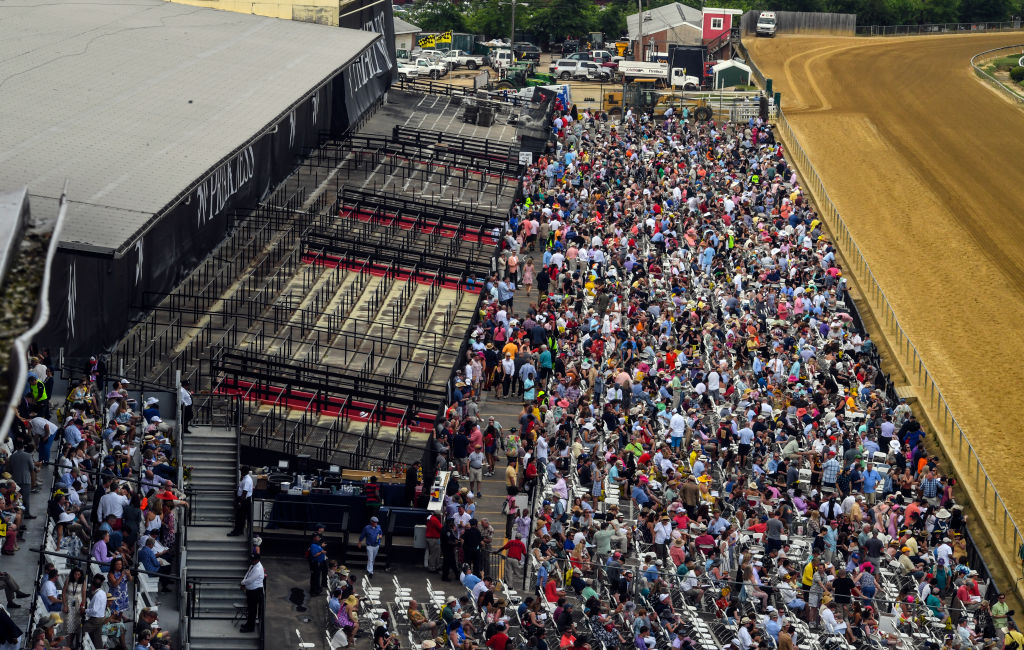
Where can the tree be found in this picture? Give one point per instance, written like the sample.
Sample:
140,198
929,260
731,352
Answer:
610,21
555,20
985,10
491,19
438,16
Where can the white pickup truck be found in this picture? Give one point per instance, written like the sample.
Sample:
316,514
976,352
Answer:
425,67
407,71
456,58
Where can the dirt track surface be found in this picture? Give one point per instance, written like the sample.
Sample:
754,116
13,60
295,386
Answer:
926,165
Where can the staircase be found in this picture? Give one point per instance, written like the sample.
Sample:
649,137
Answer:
215,563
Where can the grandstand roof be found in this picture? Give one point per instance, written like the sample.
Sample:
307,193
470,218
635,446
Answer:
134,100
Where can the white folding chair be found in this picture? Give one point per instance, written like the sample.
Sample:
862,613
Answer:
303,645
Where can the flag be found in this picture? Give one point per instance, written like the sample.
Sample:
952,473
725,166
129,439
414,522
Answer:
445,37
426,41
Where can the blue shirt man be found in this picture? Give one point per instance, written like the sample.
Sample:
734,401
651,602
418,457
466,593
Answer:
149,560
371,534
871,479
72,435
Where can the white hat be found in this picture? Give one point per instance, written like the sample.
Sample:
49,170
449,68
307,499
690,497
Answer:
155,418
152,400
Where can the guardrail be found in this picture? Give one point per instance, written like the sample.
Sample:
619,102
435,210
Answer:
992,507
936,28
1017,96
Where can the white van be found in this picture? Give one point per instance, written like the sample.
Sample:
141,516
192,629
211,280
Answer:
766,24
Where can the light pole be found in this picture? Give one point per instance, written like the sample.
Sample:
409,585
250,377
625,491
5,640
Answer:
640,28
512,35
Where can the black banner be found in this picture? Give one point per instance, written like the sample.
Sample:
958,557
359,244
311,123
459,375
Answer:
94,296
369,76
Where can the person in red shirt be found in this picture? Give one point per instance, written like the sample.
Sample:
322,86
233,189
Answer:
434,542
499,640
552,592
516,554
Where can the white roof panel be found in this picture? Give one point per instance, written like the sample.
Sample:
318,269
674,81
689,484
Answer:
134,100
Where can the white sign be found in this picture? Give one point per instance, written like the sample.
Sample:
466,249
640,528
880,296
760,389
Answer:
525,157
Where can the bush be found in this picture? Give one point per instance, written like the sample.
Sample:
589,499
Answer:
1017,74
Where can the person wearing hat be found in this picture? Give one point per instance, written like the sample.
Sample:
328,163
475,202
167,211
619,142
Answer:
151,414
371,538
317,556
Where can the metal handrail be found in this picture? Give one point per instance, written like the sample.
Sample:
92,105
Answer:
1017,96
908,350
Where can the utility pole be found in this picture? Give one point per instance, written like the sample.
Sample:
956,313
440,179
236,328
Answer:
512,36
640,28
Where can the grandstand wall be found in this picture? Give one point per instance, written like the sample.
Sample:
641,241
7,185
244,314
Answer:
96,296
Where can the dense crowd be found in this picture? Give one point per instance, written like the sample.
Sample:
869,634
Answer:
705,428
109,519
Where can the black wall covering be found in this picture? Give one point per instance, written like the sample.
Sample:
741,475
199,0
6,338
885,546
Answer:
369,76
95,296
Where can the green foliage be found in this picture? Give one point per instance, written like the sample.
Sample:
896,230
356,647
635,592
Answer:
492,19
438,15
611,21
982,10
1017,74
554,20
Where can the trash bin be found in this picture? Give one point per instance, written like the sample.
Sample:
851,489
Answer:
419,536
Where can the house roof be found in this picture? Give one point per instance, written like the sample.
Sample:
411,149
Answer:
403,27
730,63
666,17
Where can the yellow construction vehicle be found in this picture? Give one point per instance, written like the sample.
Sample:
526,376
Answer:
646,95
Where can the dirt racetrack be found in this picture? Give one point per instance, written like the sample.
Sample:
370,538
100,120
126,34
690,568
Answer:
926,165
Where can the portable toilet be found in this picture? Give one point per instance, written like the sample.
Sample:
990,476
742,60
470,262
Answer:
731,73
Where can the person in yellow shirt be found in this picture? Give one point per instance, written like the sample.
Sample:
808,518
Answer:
510,349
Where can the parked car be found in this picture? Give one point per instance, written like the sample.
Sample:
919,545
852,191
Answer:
562,66
566,69
500,59
426,67
578,56
526,51
591,71
407,72
604,57
569,46
456,58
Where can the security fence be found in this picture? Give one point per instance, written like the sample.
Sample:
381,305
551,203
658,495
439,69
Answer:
936,28
989,505
1015,94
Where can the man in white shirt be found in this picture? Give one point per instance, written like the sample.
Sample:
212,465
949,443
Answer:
243,502
677,427
96,611
828,620
112,503
43,431
185,395
253,585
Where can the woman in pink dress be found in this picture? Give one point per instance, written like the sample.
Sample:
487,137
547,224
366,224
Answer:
528,274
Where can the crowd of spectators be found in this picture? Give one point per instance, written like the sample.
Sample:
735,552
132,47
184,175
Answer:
715,453
109,518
